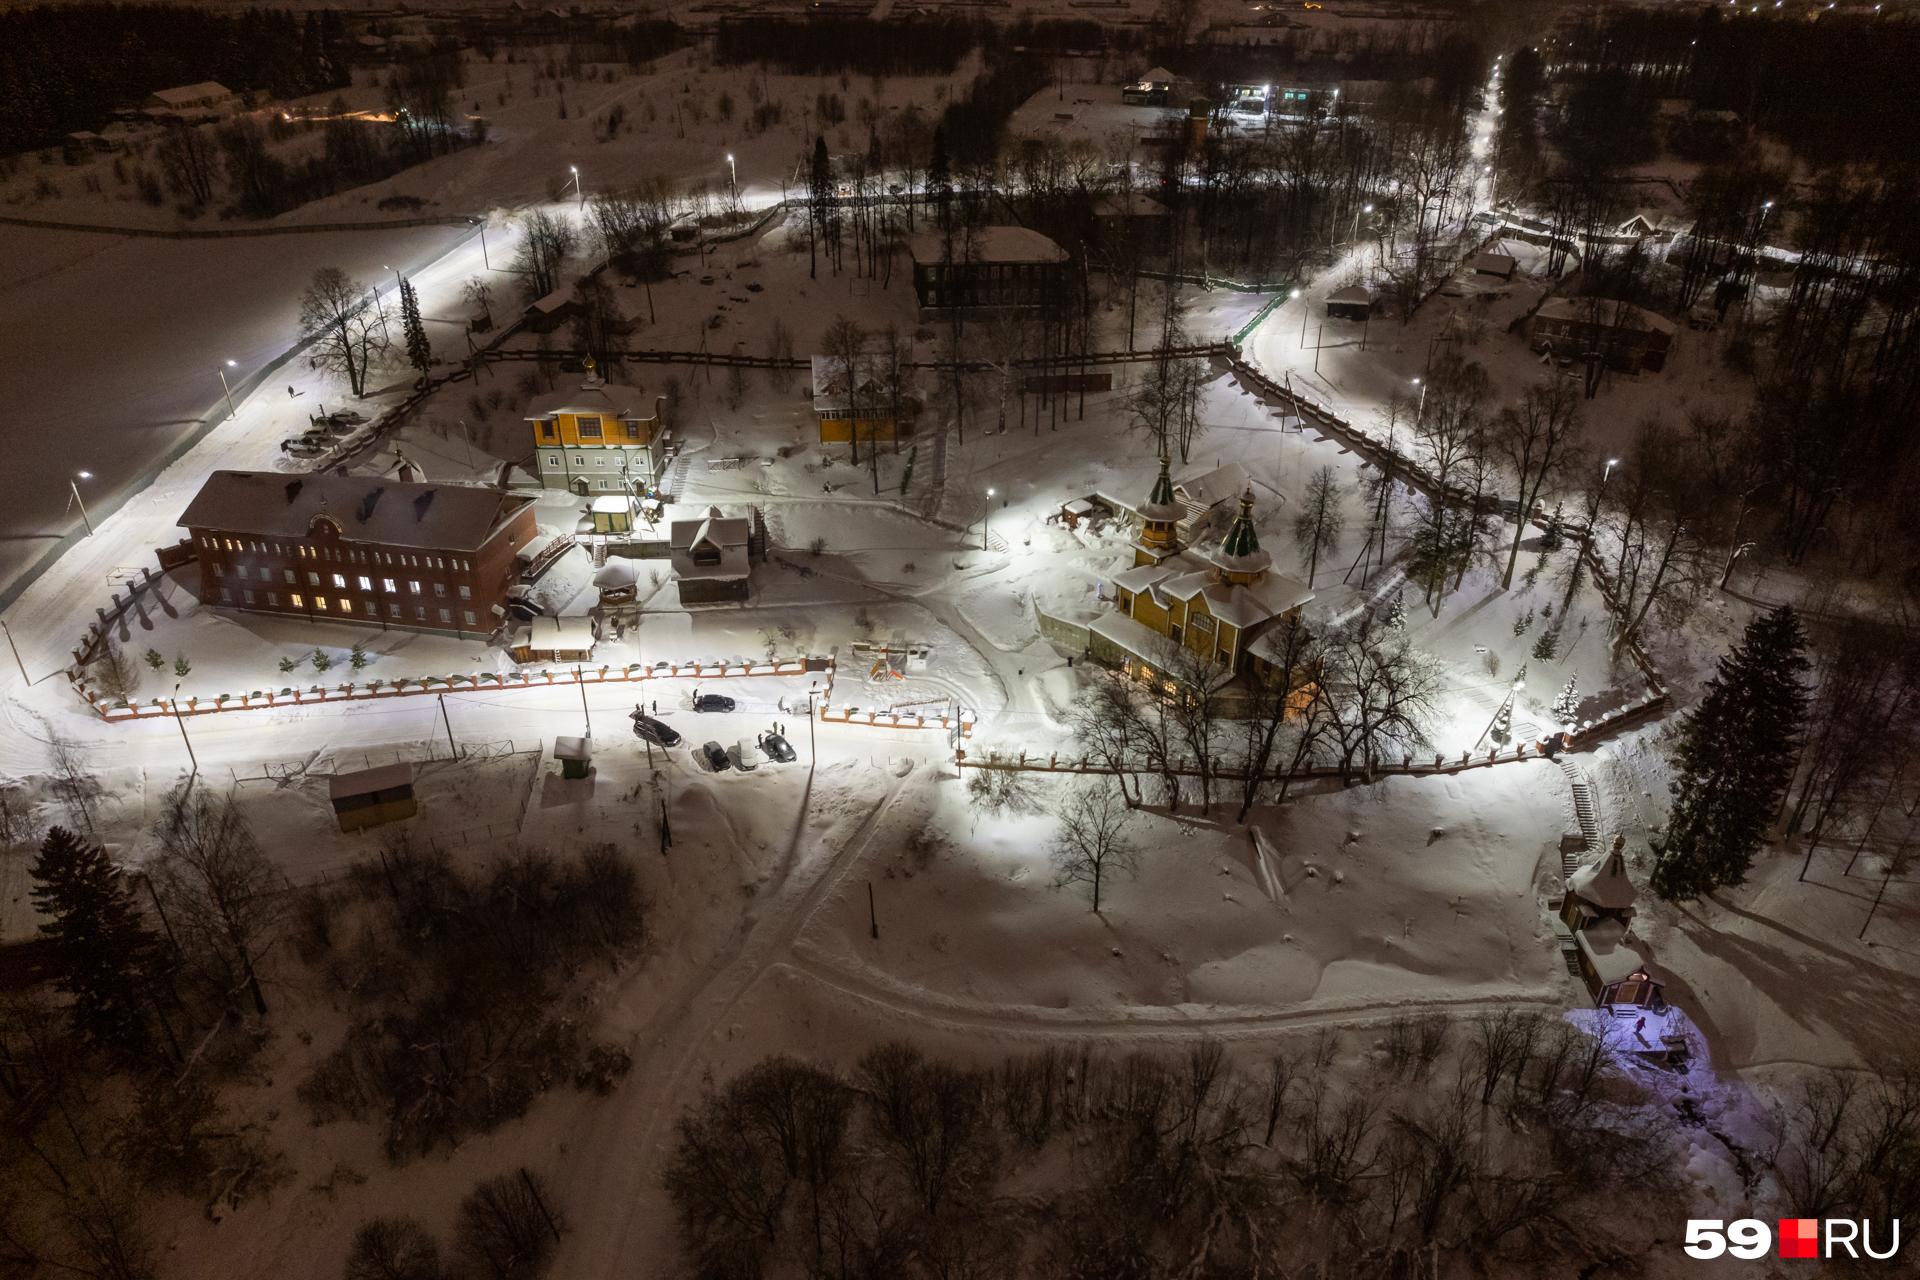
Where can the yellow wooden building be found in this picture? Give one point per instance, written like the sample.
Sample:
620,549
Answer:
1217,604
598,438
885,410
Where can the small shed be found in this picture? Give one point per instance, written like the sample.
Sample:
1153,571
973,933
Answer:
1350,303
544,315
612,513
372,797
575,756
1493,264
1072,513
568,639
618,580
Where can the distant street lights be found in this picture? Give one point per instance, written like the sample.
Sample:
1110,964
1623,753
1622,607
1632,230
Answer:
231,413
73,483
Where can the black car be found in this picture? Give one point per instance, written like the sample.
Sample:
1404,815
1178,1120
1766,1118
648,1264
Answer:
657,732
778,749
716,757
712,702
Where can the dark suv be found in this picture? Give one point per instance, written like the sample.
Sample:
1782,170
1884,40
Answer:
657,732
712,702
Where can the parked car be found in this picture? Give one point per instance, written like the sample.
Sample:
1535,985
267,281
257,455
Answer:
352,417
712,702
657,732
303,447
746,756
778,749
716,757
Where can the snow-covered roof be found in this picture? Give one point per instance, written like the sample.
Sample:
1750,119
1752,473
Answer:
557,300
272,504
572,748
1186,576
573,634
1604,882
191,95
1493,264
725,535
1604,311
1155,75
1352,296
873,373
1603,944
1078,507
360,782
987,244
611,400
611,503
617,574
1214,486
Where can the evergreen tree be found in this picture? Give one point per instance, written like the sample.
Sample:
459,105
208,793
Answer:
1567,705
1396,619
419,350
1734,760
940,175
820,188
103,953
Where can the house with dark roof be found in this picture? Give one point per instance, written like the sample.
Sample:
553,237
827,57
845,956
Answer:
361,549
987,268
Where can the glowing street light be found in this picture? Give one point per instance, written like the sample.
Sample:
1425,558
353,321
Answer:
1421,412
733,180
985,513
73,483
577,188
231,413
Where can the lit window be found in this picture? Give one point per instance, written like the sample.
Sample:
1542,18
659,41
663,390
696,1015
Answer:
320,603
299,602
466,593
387,585
413,585
340,580
346,604
366,583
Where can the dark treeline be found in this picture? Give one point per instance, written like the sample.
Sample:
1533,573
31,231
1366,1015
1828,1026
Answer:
1835,89
822,45
974,124
1383,51
67,67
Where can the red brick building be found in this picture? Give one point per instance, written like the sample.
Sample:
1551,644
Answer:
358,548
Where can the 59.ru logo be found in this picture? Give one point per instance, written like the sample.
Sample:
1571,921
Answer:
1799,1238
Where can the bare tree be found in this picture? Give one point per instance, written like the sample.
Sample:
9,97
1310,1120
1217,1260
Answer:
1092,842
509,1228
1536,438
393,1249
545,241
338,314
223,897
1320,521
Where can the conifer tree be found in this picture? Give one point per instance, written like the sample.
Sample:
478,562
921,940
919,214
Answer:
820,188
1567,705
103,952
940,175
1734,760
419,350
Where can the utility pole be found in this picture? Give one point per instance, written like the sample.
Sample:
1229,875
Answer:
585,714
181,721
873,920
16,651
451,744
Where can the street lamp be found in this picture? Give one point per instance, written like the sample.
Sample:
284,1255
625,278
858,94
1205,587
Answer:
231,413
733,182
1420,413
1294,296
985,513
182,722
73,483
1354,234
577,189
